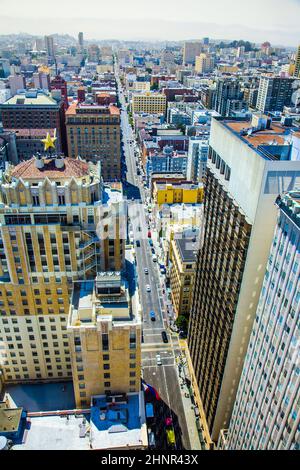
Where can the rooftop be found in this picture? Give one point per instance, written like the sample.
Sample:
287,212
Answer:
290,204
72,167
36,98
277,135
75,108
177,185
39,133
188,248
117,422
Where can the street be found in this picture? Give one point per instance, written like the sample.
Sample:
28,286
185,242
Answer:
163,377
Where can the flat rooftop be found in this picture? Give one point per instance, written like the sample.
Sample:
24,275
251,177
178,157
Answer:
188,249
110,423
277,135
29,99
44,396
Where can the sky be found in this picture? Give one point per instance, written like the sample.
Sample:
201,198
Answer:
277,21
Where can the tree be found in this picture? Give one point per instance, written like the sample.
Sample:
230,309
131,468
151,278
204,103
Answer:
182,323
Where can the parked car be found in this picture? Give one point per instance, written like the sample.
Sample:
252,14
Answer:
164,337
149,234
148,288
154,259
150,242
138,243
158,360
146,270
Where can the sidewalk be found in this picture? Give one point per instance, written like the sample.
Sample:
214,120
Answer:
188,409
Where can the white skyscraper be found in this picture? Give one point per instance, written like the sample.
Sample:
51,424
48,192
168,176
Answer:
266,413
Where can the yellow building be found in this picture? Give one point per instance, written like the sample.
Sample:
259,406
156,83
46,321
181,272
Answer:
104,330
93,132
49,219
177,193
228,68
141,86
182,256
150,102
204,63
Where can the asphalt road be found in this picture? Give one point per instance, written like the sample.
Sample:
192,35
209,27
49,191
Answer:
163,377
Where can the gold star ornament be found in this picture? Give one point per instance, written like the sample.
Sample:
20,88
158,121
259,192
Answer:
49,142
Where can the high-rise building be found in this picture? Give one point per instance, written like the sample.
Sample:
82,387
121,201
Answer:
59,83
35,110
227,89
182,256
267,408
197,159
190,51
4,68
51,210
41,80
297,63
104,330
274,93
49,46
93,132
80,40
245,173
16,82
204,63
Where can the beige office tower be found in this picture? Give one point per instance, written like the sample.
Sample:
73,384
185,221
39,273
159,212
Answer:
104,330
49,211
190,51
204,63
93,132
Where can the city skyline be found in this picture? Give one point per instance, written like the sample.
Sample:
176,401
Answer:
139,23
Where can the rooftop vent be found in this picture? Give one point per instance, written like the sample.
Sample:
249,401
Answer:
39,161
59,162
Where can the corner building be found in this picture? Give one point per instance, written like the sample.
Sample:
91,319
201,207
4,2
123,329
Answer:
49,211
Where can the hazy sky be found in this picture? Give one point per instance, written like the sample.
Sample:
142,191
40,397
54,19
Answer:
257,20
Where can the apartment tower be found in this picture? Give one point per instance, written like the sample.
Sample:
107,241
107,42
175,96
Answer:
266,413
49,213
245,173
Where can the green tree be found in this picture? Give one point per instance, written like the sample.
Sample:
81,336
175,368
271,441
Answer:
182,323
154,86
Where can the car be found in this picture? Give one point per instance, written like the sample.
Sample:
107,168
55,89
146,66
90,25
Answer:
150,242
149,234
154,259
146,270
138,243
158,360
153,251
152,315
148,288
164,337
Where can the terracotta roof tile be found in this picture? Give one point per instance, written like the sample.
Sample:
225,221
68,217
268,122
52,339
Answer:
72,167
